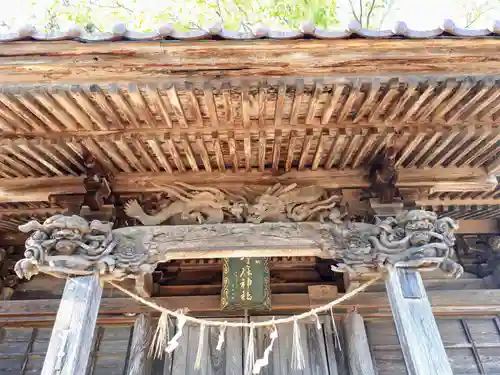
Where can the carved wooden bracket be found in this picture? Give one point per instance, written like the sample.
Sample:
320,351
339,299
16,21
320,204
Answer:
69,245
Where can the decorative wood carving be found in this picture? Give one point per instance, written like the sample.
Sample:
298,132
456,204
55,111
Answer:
69,245
187,204
383,176
481,255
96,183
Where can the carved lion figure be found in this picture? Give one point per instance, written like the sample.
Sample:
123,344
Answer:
291,203
67,245
418,240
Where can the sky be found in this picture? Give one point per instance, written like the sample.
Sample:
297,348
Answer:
418,14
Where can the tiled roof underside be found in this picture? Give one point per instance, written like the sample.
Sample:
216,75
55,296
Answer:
307,30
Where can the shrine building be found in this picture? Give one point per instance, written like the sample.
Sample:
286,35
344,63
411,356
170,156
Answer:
215,202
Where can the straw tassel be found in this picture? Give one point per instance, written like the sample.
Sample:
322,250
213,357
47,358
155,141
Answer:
174,343
318,323
161,336
222,332
264,361
298,360
336,333
199,353
250,356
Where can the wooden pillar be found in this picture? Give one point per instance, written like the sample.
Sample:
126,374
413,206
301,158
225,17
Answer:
72,335
139,363
423,350
358,350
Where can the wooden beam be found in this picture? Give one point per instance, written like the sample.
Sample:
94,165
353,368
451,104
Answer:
139,363
358,349
423,349
478,226
40,188
460,302
458,202
73,62
72,335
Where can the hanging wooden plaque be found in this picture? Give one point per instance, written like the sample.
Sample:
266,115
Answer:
246,284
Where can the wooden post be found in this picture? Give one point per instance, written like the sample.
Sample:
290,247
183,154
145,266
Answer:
139,363
358,350
72,335
423,350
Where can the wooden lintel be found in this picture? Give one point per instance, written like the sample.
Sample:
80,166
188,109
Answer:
465,302
458,202
74,62
40,188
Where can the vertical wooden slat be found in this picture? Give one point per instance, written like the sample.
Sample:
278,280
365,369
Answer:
81,98
424,149
280,103
369,140
262,104
186,145
138,361
313,104
176,106
205,158
290,152
125,107
277,150
28,149
383,104
208,94
247,149
333,149
354,94
245,104
410,92
228,107
115,156
423,350
446,106
332,104
409,148
71,339
262,151
318,153
172,149
194,106
129,155
160,155
415,106
357,347
219,156
297,100
445,141
306,145
143,153
231,142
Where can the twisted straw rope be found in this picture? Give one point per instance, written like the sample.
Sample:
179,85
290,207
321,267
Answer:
266,323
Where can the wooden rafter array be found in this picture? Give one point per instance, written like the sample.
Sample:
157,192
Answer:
303,149
207,106
14,214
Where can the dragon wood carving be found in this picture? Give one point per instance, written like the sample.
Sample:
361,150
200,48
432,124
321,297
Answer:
69,245
186,204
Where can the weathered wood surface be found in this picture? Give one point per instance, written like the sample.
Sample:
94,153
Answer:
230,240
473,302
139,363
71,340
442,180
417,330
358,351
72,62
